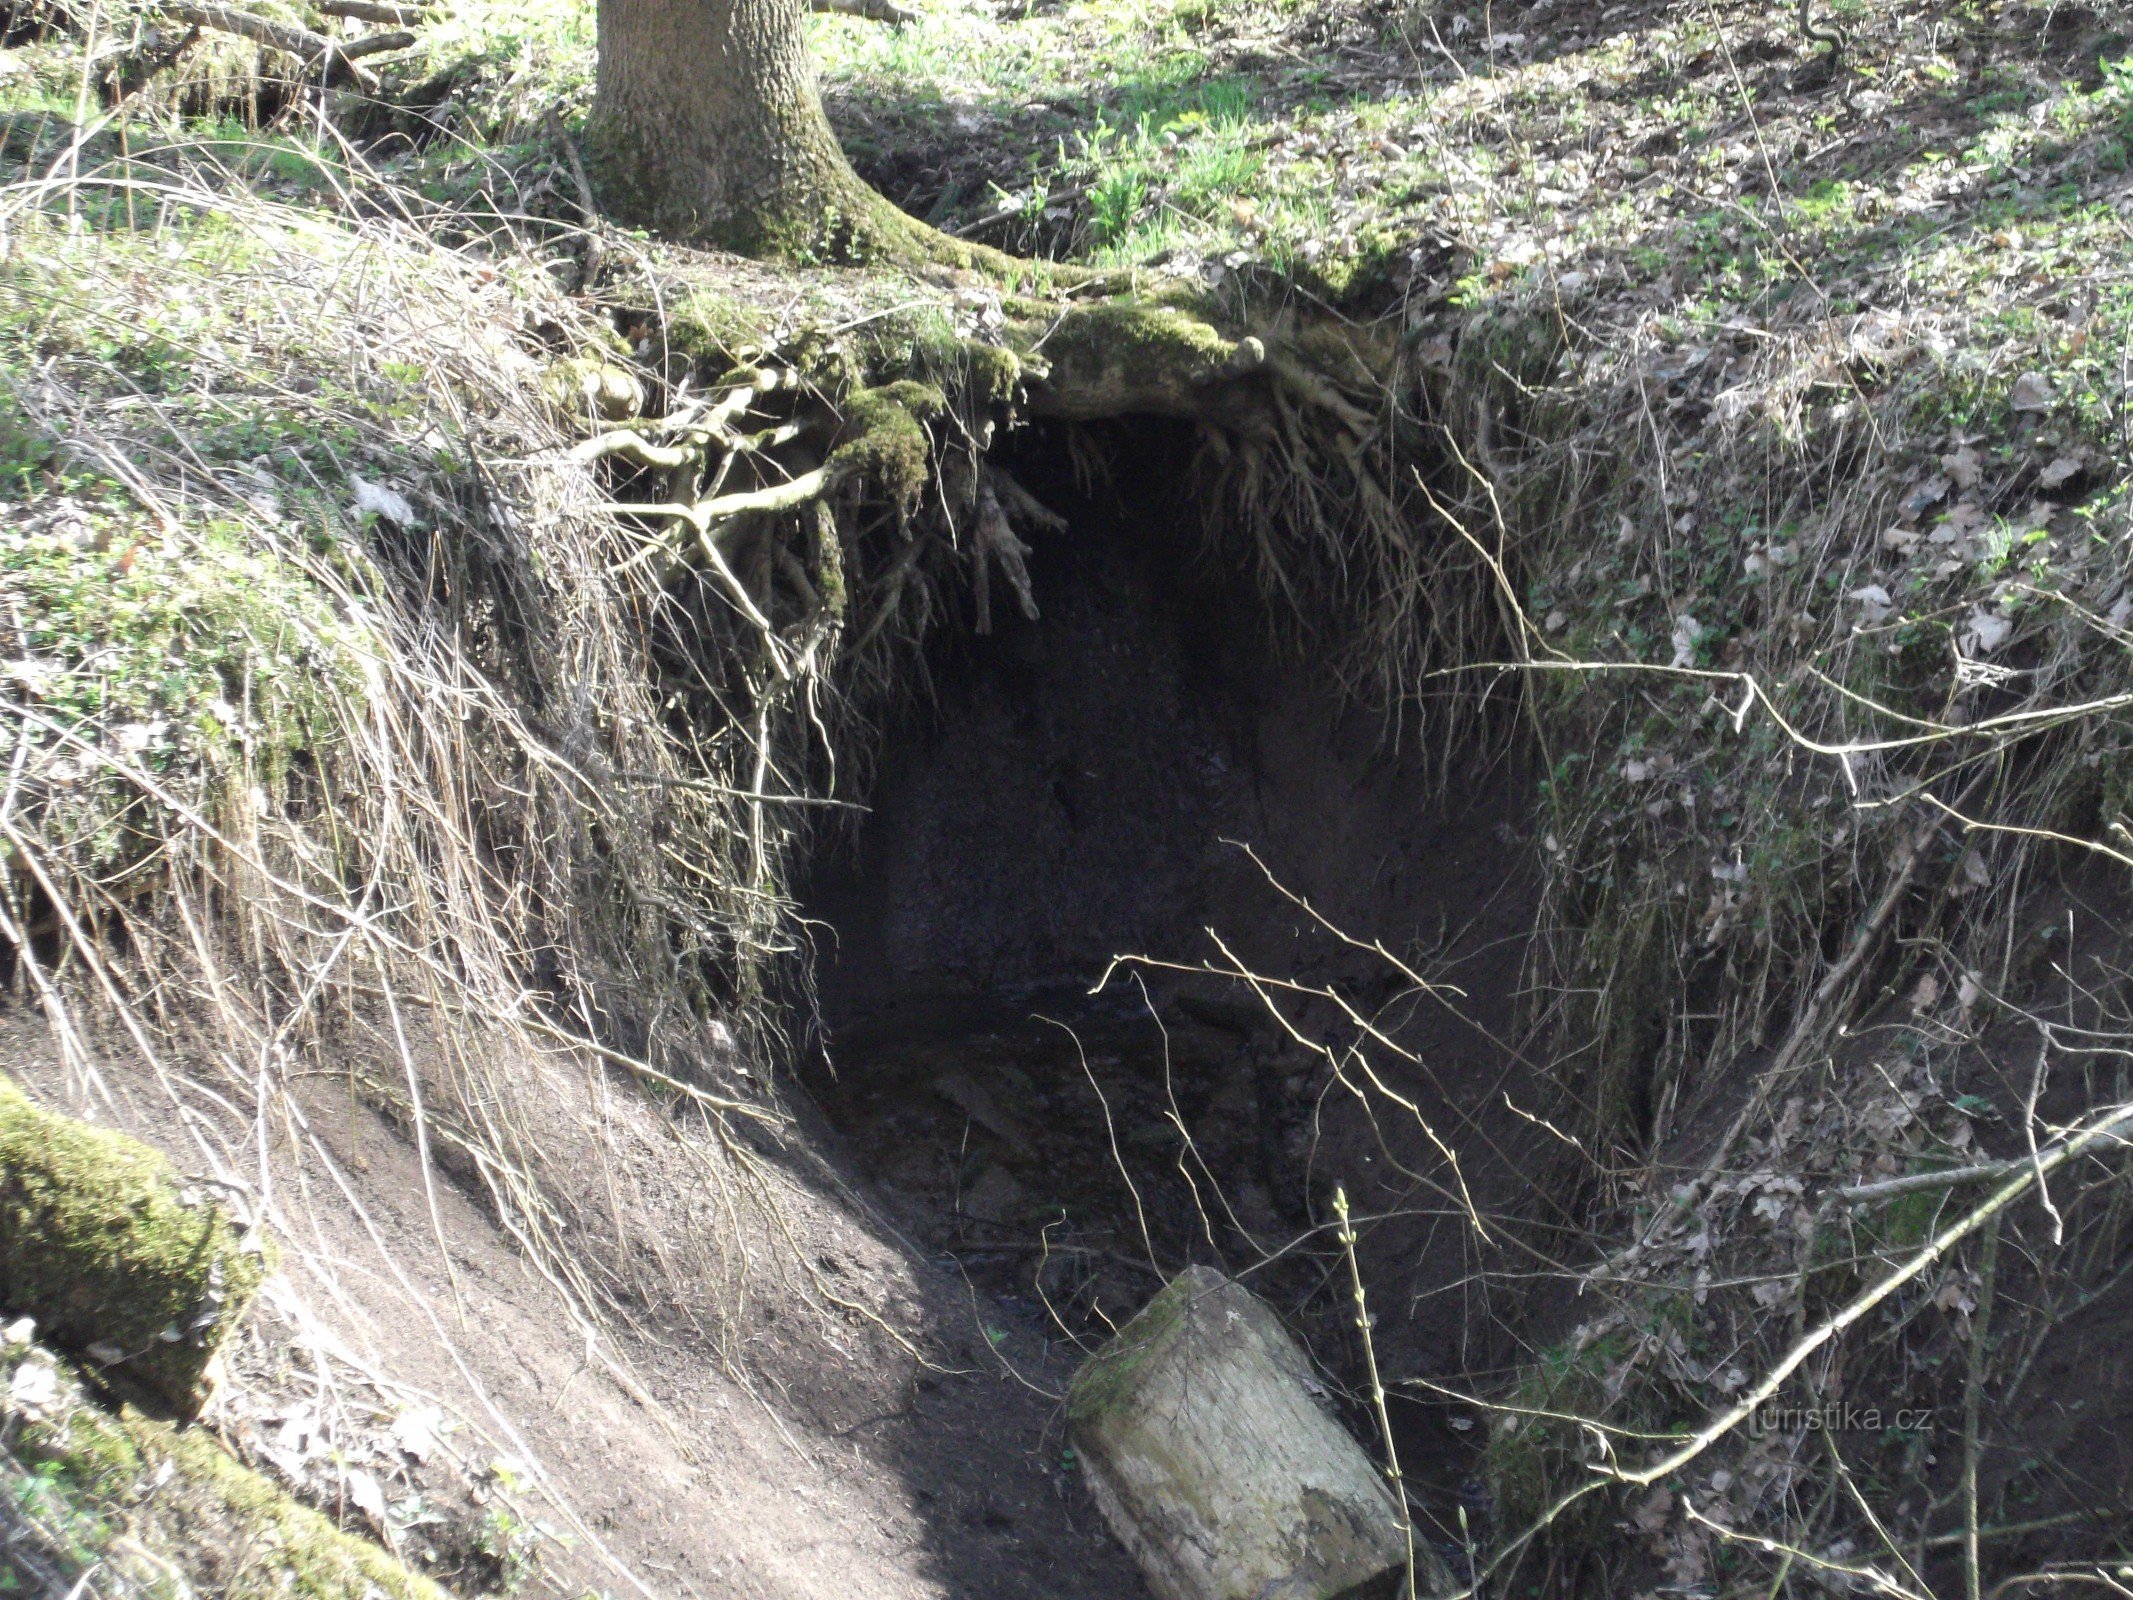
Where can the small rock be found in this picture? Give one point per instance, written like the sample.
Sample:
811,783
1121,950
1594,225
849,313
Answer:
378,500
34,1387
995,1197
2032,392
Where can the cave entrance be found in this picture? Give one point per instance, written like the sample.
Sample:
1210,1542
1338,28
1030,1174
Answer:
1084,786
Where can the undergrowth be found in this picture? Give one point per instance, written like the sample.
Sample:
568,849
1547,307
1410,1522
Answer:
333,735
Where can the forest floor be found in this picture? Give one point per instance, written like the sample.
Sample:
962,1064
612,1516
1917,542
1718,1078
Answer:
407,1373
1705,153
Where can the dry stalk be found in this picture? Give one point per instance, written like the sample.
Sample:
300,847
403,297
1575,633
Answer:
1345,1234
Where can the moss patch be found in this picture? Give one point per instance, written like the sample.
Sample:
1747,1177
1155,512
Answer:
887,442
586,386
718,332
1119,356
128,1482
113,1257
1110,1375
991,373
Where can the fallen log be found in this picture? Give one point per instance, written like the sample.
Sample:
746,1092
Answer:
333,58
374,11
1210,1460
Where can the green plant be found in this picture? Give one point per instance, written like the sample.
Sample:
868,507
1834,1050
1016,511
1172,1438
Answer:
511,1546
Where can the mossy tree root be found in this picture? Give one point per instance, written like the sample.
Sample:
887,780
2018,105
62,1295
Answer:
121,1264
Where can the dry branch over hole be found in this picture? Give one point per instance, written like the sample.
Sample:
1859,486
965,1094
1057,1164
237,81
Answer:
335,58
1821,721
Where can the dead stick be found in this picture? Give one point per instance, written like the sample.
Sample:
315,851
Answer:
595,253
1973,1397
375,44
373,11
636,449
314,49
872,10
778,497
1014,206
1912,1183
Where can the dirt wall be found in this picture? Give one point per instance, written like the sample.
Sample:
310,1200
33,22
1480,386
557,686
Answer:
1081,787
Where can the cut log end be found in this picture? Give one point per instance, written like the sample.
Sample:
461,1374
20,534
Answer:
1213,1464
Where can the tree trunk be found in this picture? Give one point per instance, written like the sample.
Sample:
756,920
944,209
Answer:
706,126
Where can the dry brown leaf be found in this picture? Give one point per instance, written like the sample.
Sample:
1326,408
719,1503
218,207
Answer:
1653,1511
2059,471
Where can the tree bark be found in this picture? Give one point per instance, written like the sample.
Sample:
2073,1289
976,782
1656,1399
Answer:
707,126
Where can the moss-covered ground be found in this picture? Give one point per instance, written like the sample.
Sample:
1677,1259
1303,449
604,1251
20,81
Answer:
114,1257
140,1508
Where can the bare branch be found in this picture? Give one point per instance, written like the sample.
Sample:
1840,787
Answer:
375,11
778,497
376,44
871,10
1915,1182
314,49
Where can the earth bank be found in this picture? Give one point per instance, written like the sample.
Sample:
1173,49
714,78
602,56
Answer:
1701,651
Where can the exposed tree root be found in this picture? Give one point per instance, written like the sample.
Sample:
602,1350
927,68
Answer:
1000,500
832,506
